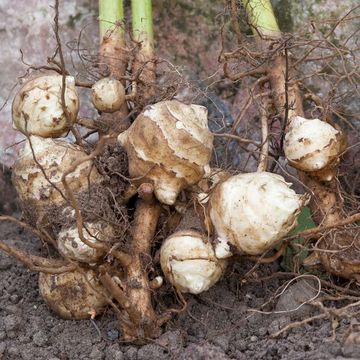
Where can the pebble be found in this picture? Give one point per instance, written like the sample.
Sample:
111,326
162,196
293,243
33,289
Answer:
254,338
296,296
113,334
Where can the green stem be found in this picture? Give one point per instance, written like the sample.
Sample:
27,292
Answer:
261,18
111,13
142,23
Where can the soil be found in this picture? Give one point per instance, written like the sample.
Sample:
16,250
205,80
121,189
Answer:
219,324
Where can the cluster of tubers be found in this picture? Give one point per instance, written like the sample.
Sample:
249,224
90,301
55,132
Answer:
169,146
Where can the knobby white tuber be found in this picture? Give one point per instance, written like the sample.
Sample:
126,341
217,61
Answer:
170,145
108,95
72,247
312,145
189,263
73,295
37,107
254,211
55,157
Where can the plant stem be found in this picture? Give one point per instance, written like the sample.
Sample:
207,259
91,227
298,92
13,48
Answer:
112,37
261,18
144,65
142,24
143,321
111,13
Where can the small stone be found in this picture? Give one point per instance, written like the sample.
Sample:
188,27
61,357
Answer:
254,338
113,334
293,300
262,331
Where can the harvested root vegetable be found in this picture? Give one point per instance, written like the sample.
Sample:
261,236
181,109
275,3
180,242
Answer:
189,263
73,295
72,247
312,145
254,211
169,144
55,157
37,107
108,95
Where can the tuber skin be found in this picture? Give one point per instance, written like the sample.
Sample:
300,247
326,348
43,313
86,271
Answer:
108,95
188,261
74,295
238,218
37,111
169,144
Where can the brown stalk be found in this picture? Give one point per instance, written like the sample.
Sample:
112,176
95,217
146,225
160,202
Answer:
143,68
141,313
